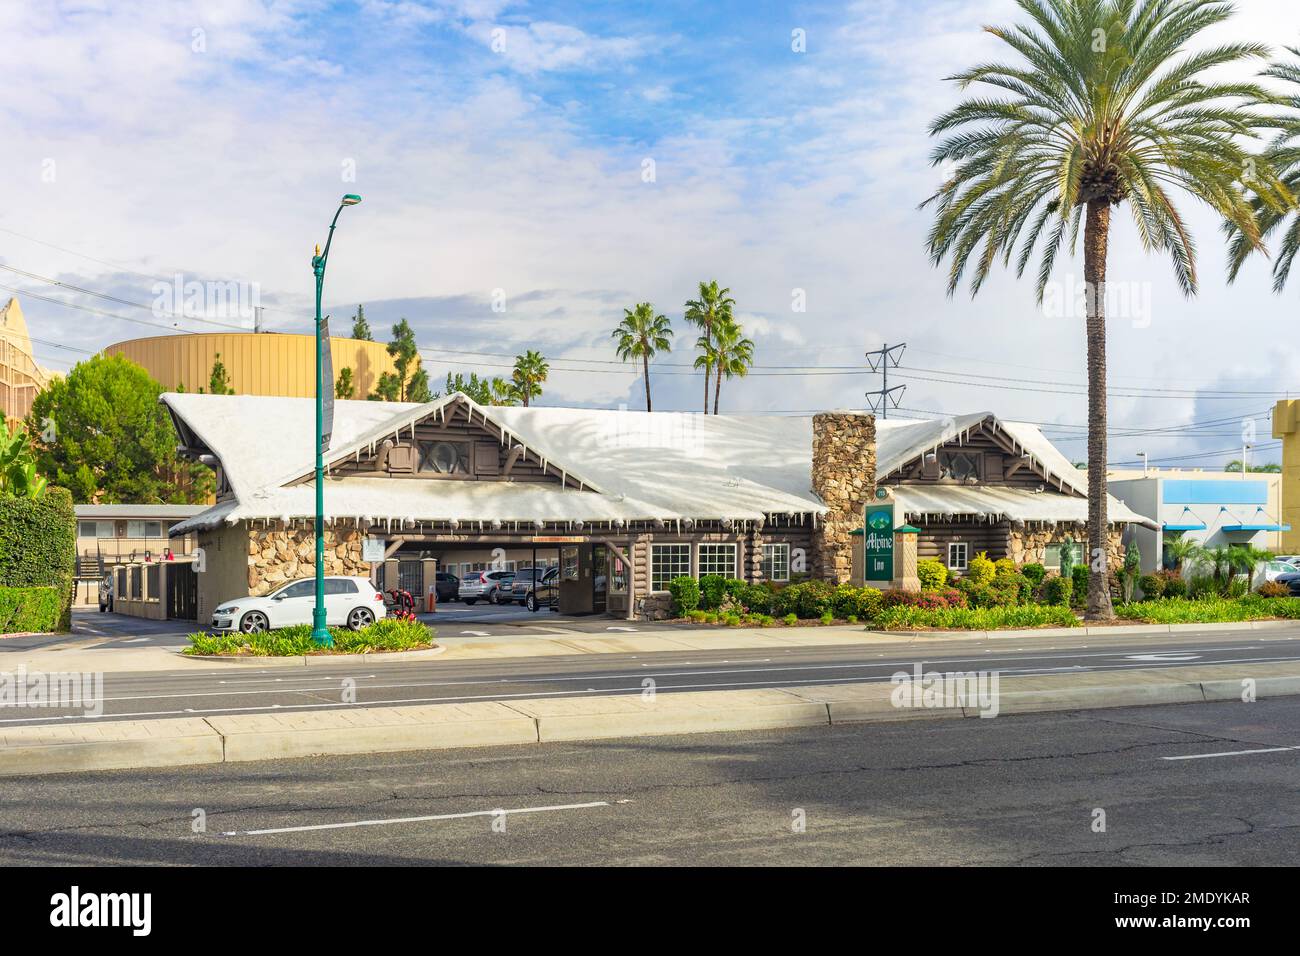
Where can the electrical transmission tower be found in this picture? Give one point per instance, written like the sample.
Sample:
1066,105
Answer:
881,360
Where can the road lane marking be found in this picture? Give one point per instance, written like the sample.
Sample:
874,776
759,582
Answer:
1232,753
424,819
1159,658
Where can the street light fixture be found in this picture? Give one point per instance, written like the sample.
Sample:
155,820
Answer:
319,632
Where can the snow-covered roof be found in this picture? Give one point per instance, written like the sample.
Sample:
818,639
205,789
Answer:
630,465
997,503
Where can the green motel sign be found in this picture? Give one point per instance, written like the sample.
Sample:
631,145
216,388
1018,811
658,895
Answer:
878,542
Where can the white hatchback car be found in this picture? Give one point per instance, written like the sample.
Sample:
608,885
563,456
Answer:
348,601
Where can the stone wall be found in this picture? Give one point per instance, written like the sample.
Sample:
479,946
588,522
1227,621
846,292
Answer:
275,557
1028,545
844,476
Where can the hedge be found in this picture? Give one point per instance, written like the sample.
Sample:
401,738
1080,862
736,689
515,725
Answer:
24,610
38,548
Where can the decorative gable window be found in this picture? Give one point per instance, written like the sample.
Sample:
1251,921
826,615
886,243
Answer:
445,457
960,465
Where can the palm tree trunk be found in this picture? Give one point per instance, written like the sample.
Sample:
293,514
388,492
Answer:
645,364
707,368
717,391
1096,235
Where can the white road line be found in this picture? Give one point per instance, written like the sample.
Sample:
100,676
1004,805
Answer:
1232,753
436,816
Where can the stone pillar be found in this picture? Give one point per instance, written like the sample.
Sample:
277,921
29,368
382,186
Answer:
844,477
905,575
753,564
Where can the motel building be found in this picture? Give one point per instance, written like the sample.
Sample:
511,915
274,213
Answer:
623,501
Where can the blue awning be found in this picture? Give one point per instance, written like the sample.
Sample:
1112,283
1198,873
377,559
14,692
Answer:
1256,527
1184,527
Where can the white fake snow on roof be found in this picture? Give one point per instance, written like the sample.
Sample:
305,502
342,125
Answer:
635,465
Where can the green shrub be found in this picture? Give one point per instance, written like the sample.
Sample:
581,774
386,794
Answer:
1175,587
1057,591
24,610
933,574
757,598
1152,585
1079,575
849,601
1015,587
1035,572
686,595
386,634
904,618
1209,610
827,618
807,599
1238,588
712,589
981,570
1203,587
38,546
790,620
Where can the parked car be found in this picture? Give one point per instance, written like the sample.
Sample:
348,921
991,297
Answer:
448,586
1292,581
536,587
106,594
348,601
486,586
1272,570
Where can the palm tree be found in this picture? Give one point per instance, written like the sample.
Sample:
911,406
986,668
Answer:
1105,108
731,354
712,307
1179,549
642,334
1274,199
528,376
503,391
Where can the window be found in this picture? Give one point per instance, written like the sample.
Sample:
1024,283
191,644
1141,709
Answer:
958,553
776,562
445,457
1052,556
299,589
718,559
144,529
95,529
340,586
668,561
960,465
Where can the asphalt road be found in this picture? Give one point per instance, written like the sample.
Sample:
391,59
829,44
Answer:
381,681
1194,785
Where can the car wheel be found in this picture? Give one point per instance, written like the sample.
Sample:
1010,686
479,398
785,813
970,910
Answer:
493,597
531,603
360,617
253,622
470,601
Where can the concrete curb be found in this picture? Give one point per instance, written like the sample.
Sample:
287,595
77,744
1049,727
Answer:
314,660
113,745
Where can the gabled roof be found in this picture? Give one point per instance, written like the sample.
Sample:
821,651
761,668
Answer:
901,441
631,465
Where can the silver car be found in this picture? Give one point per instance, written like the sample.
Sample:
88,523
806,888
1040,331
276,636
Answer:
490,586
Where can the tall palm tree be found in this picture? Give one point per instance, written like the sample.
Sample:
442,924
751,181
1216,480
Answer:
1105,108
502,391
712,307
731,355
643,335
1275,205
529,374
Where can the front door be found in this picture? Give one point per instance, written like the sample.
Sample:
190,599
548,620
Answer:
599,577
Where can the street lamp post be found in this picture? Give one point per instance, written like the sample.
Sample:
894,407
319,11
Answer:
319,632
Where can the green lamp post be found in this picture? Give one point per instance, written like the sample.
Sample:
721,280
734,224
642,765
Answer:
319,632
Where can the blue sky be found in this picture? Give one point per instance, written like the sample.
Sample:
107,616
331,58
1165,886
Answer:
211,139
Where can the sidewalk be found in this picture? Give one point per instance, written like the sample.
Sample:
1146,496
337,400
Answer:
147,659
56,748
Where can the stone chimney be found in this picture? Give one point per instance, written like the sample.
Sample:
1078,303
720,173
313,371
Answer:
844,476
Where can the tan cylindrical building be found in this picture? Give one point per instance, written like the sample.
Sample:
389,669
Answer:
262,363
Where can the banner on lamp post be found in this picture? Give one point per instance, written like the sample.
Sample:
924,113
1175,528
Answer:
326,385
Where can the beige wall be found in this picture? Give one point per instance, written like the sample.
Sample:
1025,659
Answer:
267,363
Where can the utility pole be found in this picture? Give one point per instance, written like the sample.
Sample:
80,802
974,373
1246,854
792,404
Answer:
881,360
